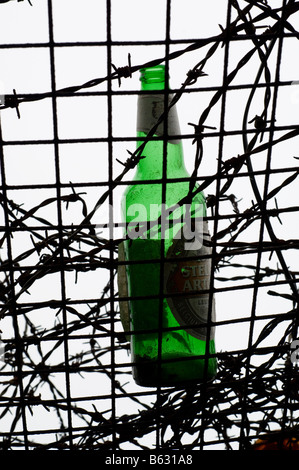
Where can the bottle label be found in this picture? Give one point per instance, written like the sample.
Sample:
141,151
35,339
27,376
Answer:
150,109
186,274
123,290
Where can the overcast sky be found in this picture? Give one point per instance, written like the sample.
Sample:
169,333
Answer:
27,70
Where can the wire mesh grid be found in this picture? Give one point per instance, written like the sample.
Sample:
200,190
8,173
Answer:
65,136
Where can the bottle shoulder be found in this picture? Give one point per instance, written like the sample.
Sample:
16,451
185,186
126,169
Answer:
151,193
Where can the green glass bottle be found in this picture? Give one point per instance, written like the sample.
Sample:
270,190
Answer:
166,268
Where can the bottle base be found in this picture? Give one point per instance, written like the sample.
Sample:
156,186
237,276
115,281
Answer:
148,373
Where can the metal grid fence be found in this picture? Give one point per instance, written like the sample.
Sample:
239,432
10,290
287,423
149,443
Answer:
65,364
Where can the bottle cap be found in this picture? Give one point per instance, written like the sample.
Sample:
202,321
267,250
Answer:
153,74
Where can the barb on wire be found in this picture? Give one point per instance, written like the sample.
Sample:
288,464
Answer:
6,1
194,74
125,72
13,102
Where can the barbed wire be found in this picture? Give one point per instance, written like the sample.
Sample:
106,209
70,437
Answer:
247,400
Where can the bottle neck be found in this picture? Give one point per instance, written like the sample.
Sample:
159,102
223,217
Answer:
150,108
153,78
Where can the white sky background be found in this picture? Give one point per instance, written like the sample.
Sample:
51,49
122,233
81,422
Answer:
28,71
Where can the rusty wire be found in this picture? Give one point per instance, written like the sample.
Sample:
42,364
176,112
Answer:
248,399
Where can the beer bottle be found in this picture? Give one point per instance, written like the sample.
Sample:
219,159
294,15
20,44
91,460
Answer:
172,340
